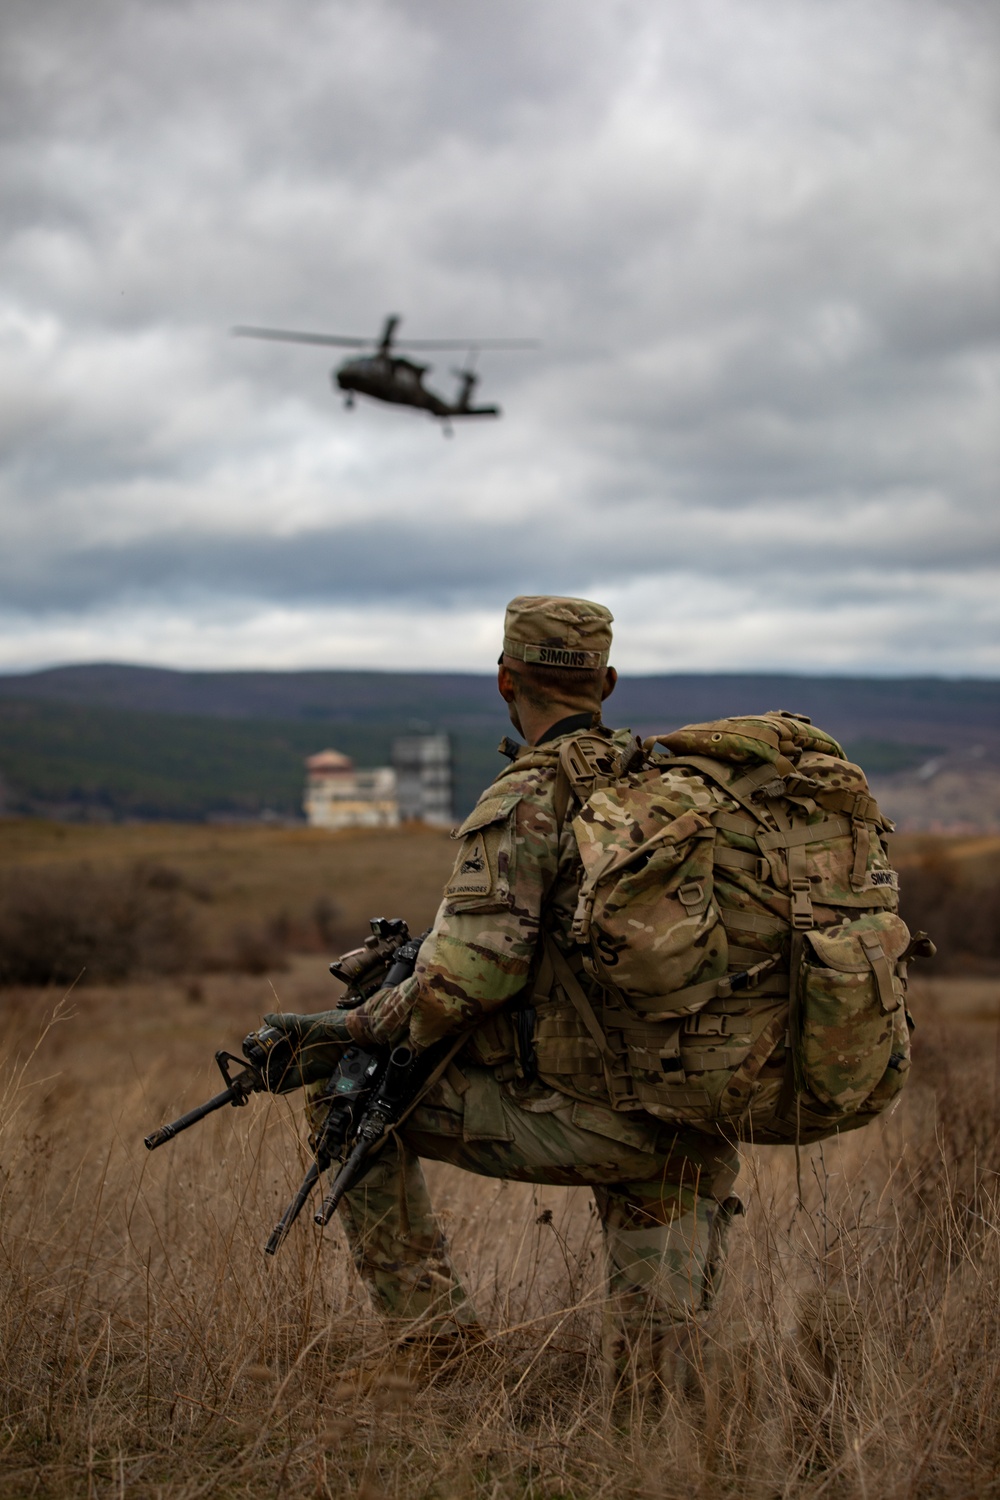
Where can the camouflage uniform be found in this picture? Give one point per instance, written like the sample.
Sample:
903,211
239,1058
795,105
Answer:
662,1193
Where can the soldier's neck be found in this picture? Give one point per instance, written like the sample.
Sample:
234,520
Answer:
537,725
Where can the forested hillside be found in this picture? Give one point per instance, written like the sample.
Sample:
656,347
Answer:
111,741
915,710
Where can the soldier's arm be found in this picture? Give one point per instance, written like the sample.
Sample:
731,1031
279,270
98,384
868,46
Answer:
479,953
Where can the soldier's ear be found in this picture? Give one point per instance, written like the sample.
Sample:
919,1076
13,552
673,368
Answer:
610,679
506,684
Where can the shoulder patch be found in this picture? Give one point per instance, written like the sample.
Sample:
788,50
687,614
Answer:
483,866
472,875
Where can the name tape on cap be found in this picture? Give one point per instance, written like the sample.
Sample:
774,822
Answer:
561,656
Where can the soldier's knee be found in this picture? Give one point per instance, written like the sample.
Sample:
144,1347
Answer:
666,1257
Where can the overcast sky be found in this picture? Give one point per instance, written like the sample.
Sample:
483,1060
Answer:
758,240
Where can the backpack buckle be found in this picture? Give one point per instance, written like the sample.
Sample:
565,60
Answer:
588,763
580,930
621,1085
802,916
692,895
770,791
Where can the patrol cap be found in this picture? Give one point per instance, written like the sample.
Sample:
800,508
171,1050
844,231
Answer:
548,631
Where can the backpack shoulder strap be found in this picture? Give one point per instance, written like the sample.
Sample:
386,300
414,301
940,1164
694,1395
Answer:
586,762
738,782
560,972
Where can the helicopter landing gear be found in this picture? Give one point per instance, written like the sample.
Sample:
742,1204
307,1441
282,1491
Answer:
447,429
349,401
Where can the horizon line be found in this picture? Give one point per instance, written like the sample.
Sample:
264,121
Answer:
806,674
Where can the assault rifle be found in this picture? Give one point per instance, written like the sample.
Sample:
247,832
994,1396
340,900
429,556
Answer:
369,1092
366,1094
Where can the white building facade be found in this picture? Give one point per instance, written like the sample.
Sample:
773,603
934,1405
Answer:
417,786
338,795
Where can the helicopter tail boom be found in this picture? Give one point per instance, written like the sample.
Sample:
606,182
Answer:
463,403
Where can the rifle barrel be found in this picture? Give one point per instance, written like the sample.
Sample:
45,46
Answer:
344,1181
167,1132
293,1210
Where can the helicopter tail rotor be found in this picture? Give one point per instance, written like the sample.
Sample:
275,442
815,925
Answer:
469,378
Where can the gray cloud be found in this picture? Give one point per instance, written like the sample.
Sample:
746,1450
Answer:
758,241
417,562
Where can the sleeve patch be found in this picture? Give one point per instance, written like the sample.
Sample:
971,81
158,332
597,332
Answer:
483,871
472,875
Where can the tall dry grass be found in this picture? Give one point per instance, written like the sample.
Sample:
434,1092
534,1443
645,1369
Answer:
150,1349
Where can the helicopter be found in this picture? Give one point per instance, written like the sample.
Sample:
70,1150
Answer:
387,376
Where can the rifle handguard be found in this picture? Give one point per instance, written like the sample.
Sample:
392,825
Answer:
403,1072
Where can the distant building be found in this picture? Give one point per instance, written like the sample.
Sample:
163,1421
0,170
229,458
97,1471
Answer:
422,763
340,796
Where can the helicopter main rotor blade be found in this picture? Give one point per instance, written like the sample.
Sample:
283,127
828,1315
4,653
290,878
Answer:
465,343
287,336
341,341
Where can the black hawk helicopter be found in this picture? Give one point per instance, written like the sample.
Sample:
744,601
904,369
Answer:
386,376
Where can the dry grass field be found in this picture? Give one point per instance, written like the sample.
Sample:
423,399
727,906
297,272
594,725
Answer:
252,874
149,1349
119,900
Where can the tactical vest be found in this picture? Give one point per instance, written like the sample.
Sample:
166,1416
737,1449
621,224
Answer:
739,963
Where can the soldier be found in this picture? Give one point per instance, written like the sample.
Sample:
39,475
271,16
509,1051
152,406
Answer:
528,1098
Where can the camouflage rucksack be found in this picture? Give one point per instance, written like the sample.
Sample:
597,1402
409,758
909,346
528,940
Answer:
739,915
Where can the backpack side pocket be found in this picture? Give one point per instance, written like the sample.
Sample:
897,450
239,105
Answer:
850,1009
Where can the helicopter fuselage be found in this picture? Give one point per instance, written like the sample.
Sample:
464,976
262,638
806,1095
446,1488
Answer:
389,377
384,375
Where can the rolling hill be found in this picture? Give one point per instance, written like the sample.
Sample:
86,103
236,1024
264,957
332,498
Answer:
115,741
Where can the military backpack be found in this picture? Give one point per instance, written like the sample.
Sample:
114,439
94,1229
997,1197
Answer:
739,927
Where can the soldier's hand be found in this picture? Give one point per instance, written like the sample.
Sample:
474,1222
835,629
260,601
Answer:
317,1042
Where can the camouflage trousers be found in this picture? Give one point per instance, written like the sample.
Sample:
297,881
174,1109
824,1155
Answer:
662,1196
